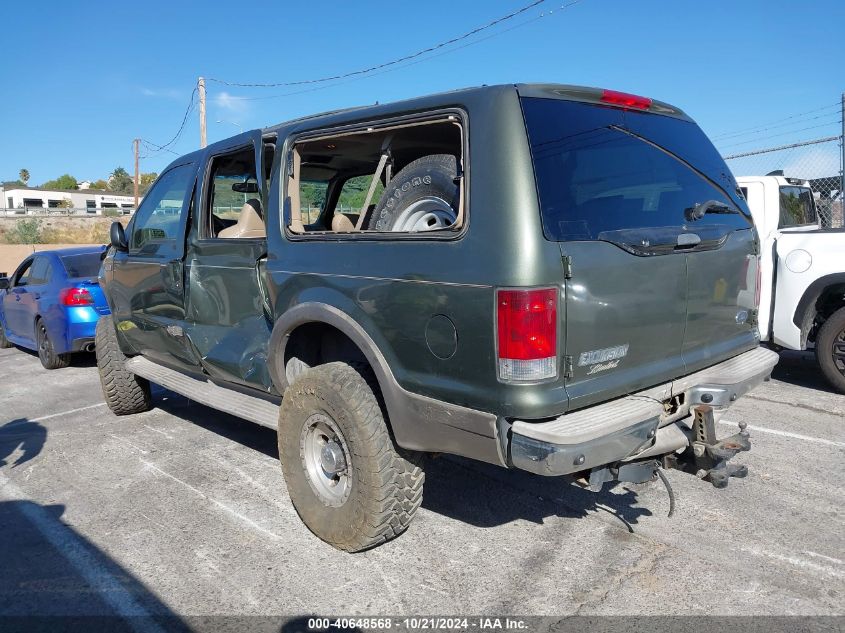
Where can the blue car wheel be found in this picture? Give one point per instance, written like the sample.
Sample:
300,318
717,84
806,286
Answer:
46,353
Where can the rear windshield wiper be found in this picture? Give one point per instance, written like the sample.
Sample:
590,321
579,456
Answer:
703,208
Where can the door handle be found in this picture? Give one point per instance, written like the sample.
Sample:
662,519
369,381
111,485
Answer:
687,240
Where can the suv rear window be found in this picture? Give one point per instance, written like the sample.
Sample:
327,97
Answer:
797,207
602,174
85,265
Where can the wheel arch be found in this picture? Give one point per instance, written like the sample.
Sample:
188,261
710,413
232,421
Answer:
818,298
322,314
417,422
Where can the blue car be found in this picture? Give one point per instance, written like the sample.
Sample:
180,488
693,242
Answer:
51,304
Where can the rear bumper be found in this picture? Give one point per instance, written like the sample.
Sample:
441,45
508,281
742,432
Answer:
636,425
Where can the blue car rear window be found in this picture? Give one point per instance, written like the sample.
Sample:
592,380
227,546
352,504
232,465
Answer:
86,265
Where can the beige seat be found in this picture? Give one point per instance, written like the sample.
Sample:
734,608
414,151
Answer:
249,223
344,223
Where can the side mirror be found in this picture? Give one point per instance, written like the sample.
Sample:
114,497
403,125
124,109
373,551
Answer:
4,283
118,237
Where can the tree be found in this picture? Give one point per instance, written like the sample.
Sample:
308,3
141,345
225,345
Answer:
25,232
146,181
11,184
99,184
66,203
65,181
120,181
23,174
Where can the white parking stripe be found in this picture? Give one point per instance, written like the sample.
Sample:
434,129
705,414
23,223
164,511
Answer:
794,436
80,557
63,413
219,504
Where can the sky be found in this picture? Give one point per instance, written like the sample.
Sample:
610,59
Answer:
82,80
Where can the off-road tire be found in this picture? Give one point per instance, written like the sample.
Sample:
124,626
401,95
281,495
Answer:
4,342
386,481
832,333
124,392
46,352
430,176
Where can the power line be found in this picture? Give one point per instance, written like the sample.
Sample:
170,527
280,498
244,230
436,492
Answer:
165,146
767,126
411,63
393,62
803,129
827,139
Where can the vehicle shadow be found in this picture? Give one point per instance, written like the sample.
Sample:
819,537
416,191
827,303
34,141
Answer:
77,359
479,494
22,434
55,579
254,436
800,369
484,495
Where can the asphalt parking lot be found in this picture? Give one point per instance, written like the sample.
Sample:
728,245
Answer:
183,510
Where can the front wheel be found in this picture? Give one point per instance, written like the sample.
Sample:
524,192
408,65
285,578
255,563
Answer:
124,392
350,484
830,349
46,352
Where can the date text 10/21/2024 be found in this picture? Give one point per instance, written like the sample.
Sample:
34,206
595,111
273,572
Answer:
418,623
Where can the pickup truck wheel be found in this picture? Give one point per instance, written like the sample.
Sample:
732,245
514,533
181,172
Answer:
350,484
4,342
830,349
124,392
423,196
46,352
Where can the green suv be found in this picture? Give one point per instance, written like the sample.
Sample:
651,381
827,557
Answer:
552,278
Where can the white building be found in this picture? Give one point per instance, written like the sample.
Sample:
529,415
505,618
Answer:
17,200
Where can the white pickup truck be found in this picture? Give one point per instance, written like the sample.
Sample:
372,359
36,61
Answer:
802,272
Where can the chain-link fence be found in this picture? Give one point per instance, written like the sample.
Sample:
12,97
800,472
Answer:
819,162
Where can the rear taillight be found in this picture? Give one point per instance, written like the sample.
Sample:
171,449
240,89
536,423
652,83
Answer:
625,100
759,287
76,297
527,334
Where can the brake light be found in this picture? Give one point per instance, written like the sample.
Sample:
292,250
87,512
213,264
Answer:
527,334
625,100
75,297
759,288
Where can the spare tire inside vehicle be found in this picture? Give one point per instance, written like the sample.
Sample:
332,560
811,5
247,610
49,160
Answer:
423,196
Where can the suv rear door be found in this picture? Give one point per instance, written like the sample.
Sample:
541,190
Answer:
617,189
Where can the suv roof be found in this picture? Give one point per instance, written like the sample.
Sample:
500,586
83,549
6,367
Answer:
358,114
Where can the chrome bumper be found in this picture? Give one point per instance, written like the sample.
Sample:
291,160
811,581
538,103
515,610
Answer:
631,426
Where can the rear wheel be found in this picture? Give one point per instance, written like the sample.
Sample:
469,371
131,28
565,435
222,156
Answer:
123,391
350,484
4,342
830,349
46,352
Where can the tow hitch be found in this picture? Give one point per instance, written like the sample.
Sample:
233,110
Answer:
709,457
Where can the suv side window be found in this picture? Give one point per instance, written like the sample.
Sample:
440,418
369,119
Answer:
234,202
157,225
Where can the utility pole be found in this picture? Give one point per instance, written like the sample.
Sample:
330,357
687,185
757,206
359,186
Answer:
137,143
201,89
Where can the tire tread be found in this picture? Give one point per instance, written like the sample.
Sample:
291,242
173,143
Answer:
124,392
